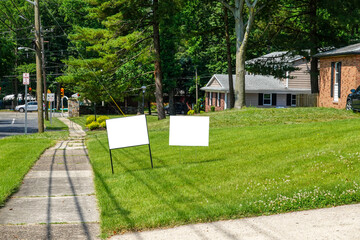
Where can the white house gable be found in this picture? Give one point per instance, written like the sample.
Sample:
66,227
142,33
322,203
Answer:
214,83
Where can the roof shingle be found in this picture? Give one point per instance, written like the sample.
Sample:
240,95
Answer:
253,83
348,50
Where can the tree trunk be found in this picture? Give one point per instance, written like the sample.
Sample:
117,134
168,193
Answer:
149,106
39,84
227,37
240,61
171,103
158,73
242,37
15,83
58,97
139,107
314,72
44,79
95,110
15,91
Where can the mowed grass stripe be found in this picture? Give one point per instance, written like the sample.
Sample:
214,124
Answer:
246,171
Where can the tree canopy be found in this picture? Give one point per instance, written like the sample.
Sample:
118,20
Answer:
109,48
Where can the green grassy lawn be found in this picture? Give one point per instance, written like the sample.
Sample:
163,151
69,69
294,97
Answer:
55,125
260,161
17,156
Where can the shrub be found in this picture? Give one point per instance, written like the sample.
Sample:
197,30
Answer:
213,108
90,119
199,106
202,112
153,106
191,112
103,124
102,119
94,125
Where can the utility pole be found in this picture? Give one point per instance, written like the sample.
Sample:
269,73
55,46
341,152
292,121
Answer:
39,86
44,78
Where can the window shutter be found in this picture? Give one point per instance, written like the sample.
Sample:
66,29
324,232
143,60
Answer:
288,99
332,79
339,70
274,99
261,99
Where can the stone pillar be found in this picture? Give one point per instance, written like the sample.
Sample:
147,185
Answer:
74,107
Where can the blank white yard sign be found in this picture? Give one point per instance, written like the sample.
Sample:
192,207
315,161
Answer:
189,131
127,132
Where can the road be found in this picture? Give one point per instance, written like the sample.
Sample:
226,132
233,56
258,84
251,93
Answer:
13,123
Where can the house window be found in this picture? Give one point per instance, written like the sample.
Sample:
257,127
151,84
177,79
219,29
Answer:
293,100
335,80
218,99
267,98
210,99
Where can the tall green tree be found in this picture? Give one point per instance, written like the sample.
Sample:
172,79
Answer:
306,27
243,27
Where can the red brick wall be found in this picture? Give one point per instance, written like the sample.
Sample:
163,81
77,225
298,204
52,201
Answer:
214,102
350,79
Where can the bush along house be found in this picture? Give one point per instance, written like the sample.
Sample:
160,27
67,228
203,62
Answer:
339,73
261,90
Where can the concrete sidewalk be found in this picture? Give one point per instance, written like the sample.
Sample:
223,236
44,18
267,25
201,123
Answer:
57,199
328,223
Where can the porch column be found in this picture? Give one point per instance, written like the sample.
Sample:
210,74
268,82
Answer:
225,106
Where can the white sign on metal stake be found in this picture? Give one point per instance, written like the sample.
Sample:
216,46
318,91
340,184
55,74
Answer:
51,97
127,132
26,78
189,131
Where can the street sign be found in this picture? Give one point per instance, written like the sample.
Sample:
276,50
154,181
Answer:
26,78
51,97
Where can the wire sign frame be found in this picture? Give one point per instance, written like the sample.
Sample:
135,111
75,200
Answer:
127,132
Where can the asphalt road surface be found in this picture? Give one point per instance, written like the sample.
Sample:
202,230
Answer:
13,123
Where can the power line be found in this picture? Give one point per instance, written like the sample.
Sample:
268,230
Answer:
20,12
32,75
7,25
8,16
16,29
24,28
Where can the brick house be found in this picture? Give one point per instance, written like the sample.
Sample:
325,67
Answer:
339,73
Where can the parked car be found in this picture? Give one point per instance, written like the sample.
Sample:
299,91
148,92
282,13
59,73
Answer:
32,106
353,100
180,108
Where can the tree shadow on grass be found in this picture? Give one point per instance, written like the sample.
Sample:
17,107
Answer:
158,180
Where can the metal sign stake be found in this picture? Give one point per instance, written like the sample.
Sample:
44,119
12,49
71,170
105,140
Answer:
26,82
151,157
26,105
51,103
112,167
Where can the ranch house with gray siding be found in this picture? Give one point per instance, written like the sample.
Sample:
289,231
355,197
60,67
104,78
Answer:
263,91
260,91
